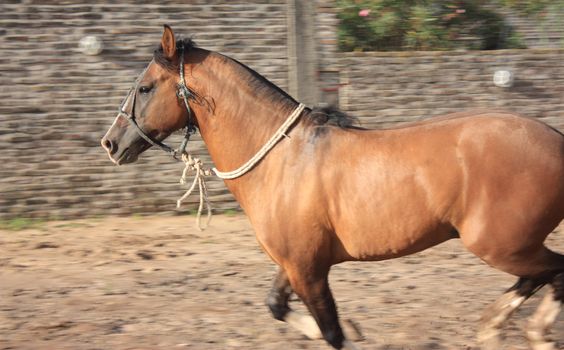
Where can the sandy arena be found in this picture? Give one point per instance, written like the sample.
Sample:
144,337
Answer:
159,283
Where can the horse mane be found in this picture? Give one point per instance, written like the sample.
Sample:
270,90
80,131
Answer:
262,85
254,80
331,115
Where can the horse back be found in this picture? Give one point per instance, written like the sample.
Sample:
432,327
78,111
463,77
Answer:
404,189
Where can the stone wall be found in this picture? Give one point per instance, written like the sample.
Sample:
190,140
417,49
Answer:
544,30
56,103
386,88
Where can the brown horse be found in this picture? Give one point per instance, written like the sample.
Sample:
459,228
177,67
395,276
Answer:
329,192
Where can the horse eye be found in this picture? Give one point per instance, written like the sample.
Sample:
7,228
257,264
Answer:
145,89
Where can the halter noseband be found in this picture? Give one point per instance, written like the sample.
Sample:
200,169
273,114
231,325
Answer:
182,92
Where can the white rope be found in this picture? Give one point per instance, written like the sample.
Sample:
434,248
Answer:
195,164
281,132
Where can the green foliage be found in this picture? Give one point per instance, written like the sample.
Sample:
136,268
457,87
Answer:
231,212
386,25
19,224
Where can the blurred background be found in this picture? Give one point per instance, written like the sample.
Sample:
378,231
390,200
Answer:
66,65
115,279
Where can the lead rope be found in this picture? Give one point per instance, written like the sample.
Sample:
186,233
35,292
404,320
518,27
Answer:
192,164
196,165
280,133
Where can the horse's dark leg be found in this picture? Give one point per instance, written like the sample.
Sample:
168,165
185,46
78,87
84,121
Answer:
277,302
544,317
315,293
499,312
277,299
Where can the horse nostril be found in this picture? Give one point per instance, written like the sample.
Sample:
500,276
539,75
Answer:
108,145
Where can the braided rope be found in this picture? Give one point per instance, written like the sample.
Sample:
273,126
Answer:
192,164
195,164
280,133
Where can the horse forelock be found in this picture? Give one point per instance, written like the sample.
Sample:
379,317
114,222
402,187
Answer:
161,60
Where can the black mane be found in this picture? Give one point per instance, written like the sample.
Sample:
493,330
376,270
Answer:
319,115
256,81
331,115
262,85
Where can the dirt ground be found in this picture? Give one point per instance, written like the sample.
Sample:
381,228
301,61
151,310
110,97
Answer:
158,283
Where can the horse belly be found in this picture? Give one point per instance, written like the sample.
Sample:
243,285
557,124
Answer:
390,220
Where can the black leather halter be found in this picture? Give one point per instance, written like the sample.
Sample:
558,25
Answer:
182,92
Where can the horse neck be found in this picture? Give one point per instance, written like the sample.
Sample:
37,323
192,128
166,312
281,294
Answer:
240,117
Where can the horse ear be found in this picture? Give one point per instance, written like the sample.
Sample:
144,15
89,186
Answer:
168,42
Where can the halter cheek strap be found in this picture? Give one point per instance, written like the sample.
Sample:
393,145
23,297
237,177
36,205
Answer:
193,163
133,122
182,92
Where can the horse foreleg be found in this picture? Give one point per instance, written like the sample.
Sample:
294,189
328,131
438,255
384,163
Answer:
277,302
544,317
498,313
315,293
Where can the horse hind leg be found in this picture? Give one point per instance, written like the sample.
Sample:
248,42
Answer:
497,314
277,302
536,267
545,316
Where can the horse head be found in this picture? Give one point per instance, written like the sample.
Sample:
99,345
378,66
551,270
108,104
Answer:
156,106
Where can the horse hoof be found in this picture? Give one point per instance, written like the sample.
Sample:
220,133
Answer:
489,339
543,346
305,324
537,340
349,345
352,330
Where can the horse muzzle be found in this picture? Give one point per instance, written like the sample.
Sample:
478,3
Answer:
127,150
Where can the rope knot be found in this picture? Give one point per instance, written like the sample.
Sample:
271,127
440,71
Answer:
196,165
183,91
